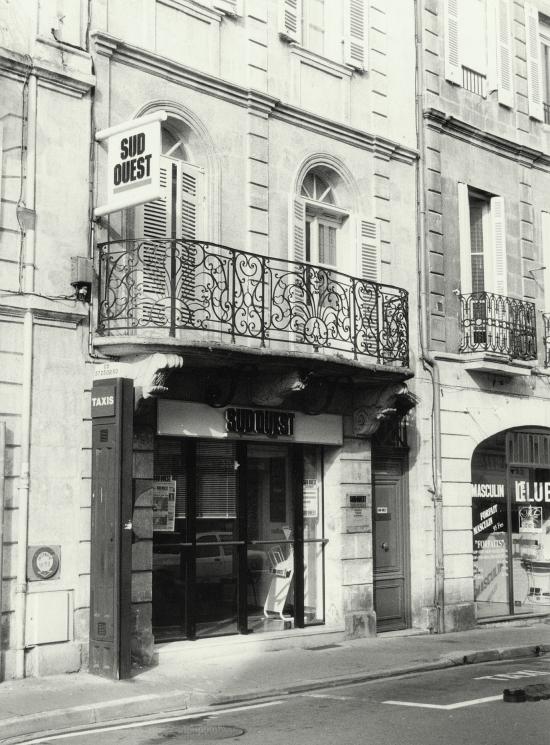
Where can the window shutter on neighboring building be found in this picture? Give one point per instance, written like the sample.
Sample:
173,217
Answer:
504,54
499,279
369,249
453,71
355,34
464,239
545,255
534,71
290,20
297,229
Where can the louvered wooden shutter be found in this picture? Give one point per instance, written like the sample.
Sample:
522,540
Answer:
290,20
545,255
216,479
355,34
504,54
453,71
153,222
369,250
534,70
192,202
297,229
498,236
191,228
464,239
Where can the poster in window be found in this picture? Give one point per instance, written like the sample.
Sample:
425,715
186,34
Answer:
311,498
530,519
164,506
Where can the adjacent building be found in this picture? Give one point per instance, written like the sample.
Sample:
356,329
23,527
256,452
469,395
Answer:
485,156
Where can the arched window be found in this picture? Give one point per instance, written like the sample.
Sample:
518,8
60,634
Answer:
180,213
326,231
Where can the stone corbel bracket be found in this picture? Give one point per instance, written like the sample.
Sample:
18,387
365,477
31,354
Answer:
375,407
149,372
273,389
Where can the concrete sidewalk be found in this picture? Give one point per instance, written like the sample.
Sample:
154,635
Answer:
193,676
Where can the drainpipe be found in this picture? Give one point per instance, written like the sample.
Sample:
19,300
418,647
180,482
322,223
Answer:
28,247
428,360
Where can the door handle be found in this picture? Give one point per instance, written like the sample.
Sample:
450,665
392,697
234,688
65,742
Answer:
385,546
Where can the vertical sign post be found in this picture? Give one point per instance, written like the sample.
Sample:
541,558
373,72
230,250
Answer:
111,539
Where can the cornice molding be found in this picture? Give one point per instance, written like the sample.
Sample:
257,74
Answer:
256,101
529,157
40,313
16,66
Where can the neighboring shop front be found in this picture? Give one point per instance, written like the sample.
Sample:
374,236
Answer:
511,523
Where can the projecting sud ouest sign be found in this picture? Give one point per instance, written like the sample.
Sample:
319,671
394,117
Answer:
133,162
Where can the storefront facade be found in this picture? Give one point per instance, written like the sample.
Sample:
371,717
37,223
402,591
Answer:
246,518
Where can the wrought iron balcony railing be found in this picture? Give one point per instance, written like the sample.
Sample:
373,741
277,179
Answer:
497,323
168,286
546,322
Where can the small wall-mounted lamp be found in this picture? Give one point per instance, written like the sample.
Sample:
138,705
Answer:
82,277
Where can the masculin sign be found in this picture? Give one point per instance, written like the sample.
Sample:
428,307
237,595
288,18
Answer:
133,162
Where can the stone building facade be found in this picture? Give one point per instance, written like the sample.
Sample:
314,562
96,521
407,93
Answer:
310,375
485,154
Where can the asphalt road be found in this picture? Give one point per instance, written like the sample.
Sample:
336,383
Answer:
455,706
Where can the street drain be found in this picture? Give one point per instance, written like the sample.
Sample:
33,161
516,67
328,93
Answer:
202,732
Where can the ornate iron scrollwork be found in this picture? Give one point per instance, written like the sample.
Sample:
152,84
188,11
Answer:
497,323
172,286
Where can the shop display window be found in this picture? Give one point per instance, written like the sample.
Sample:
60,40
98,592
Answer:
511,524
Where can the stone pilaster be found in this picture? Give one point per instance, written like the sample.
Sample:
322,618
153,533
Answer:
356,547
142,548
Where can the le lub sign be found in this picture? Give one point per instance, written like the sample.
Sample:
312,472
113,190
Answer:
133,162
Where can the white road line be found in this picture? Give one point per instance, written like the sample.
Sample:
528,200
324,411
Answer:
447,707
149,722
327,695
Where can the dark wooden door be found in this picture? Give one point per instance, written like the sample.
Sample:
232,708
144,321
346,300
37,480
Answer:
111,528
390,543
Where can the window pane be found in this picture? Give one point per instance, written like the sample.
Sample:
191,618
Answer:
315,25
216,480
327,245
476,245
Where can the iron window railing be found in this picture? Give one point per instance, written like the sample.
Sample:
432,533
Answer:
546,322
497,323
473,81
546,108
173,285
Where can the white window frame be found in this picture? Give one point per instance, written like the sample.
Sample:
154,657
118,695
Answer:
318,214
534,64
294,27
494,241
499,74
